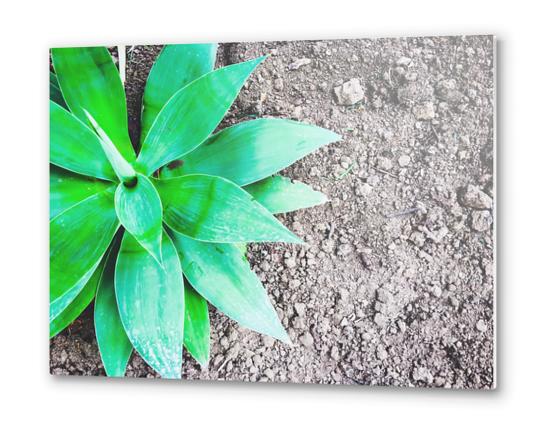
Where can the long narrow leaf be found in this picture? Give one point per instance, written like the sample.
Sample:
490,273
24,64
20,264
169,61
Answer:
151,304
222,275
214,209
76,147
197,331
79,237
113,343
67,189
191,115
54,91
140,211
176,66
59,304
280,195
90,80
78,304
252,150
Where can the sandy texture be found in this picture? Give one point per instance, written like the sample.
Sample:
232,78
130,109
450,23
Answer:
397,285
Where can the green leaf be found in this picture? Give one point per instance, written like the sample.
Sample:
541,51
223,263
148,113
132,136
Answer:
113,343
176,66
214,209
67,189
280,195
222,275
58,305
140,211
75,147
78,304
54,91
122,168
191,115
197,331
79,237
151,304
90,81
253,150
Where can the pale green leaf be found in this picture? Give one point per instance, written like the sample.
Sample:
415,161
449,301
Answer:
280,195
78,304
59,304
90,80
222,275
113,343
176,66
79,237
214,209
75,147
191,115
140,211
151,304
197,331
67,189
252,150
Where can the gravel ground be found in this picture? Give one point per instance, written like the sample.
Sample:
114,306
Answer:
397,284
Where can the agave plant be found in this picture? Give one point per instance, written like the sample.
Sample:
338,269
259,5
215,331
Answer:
129,220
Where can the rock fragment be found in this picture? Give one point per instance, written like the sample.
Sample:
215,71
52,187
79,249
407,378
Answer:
299,63
424,111
349,93
474,197
481,221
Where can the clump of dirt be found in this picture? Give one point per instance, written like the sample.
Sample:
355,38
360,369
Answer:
397,284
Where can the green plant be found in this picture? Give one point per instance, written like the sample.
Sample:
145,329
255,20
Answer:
125,227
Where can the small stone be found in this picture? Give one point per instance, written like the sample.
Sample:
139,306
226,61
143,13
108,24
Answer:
481,220
307,340
481,326
381,353
328,245
297,113
423,375
383,296
344,249
424,111
380,319
447,91
265,266
257,360
385,163
418,238
403,61
300,309
299,63
269,373
290,262
350,93
335,353
474,197
363,189
437,291
404,160
268,341
279,84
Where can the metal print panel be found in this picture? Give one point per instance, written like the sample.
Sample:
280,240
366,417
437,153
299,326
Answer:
295,211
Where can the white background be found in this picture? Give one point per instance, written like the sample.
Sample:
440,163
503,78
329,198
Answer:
27,32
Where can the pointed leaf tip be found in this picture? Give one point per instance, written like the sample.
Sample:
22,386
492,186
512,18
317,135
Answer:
139,210
192,114
214,209
151,304
124,171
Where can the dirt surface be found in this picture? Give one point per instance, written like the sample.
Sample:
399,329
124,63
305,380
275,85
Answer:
397,286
